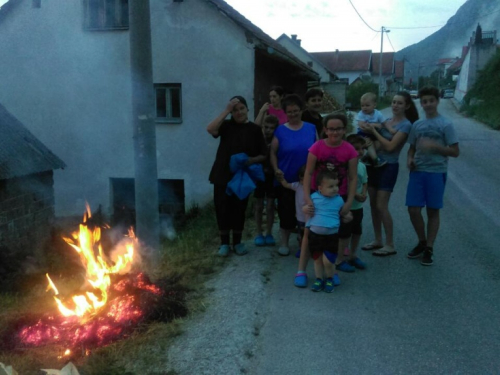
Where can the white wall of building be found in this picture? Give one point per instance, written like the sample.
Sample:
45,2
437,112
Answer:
71,88
303,56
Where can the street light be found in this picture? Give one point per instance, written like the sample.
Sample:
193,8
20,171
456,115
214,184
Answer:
382,31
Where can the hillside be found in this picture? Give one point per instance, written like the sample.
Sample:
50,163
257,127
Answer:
448,41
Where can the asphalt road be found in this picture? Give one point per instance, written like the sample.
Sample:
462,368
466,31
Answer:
398,317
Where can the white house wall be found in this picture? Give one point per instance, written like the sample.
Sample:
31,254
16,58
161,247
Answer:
207,53
303,56
71,88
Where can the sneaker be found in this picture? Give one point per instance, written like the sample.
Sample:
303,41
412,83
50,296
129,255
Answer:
269,239
223,251
283,250
328,286
300,280
427,257
357,263
260,240
345,267
240,249
379,163
336,280
317,286
417,250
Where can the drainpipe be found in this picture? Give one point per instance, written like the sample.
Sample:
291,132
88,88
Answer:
144,131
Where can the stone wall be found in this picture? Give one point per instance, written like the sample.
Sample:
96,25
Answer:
26,214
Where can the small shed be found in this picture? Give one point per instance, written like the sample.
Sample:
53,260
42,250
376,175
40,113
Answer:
26,192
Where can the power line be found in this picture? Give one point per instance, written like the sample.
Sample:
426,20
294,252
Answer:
389,39
371,28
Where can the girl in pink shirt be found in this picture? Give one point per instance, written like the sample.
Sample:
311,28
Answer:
273,107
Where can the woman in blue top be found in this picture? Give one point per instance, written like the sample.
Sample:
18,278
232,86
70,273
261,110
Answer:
392,137
289,150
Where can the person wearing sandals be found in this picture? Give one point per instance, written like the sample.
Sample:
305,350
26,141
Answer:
289,150
265,191
237,135
381,181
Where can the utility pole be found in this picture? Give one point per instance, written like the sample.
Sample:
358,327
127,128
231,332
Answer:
418,76
382,30
144,131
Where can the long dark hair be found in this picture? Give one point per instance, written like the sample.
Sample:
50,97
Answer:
411,113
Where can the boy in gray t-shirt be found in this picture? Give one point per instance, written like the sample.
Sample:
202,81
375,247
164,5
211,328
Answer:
432,140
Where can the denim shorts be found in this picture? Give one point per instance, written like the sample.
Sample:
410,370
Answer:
426,189
383,178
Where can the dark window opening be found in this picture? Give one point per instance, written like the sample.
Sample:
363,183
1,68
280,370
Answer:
168,102
106,14
171,200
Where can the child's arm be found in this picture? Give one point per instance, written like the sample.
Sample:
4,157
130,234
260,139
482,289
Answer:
285,184
260,117
361,197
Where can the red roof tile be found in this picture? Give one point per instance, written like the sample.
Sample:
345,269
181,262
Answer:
345,61
399,69
387,62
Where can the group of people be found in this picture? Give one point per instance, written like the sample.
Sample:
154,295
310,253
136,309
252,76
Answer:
320,177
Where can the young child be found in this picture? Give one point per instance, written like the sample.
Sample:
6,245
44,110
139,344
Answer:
432,140
298,187
265,189
369,115
314,102
358,143
323,229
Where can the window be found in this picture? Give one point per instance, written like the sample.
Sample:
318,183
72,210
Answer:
106,14
168,102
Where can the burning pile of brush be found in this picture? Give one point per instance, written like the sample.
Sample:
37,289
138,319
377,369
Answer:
115,299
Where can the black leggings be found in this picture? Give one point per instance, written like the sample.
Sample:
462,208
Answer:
229,210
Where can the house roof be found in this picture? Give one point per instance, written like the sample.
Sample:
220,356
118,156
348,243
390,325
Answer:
399,69
345,61
284,36
387,63
21,153
265,41
448,60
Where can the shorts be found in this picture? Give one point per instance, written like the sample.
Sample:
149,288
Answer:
286,208
265,189
366,135
383,178
426,189
345,229
357,219
319,243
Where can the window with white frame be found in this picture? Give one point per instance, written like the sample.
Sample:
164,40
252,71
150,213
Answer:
168,102
106,14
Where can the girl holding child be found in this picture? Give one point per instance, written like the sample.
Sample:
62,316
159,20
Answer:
381,181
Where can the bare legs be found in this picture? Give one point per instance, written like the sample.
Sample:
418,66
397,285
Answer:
259,206
379,206
418,223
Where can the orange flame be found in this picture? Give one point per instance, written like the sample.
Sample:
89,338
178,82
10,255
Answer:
98,270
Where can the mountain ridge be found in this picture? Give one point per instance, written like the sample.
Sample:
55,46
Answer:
448,41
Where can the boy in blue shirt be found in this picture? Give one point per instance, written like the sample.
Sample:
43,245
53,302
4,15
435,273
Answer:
323,228
432,140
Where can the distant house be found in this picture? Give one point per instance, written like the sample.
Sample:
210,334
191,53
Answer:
399,76
329,81
349,66
26,191
65,73
481,48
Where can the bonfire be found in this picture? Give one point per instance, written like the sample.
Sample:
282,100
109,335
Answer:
114,300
